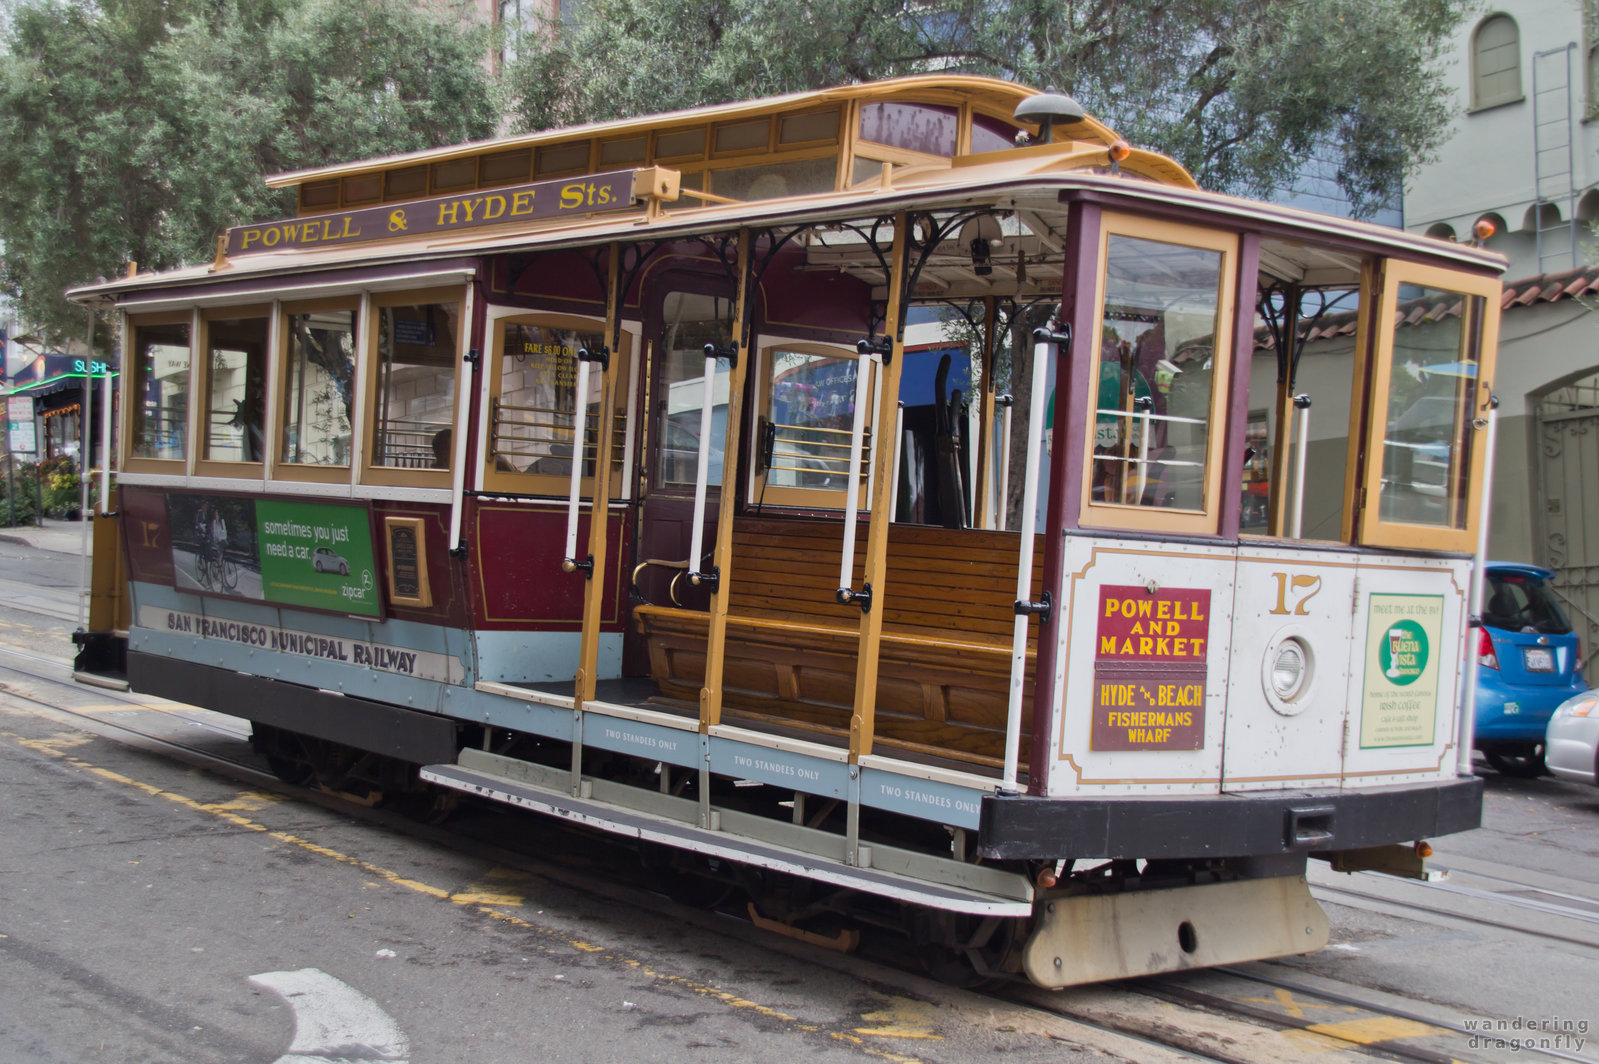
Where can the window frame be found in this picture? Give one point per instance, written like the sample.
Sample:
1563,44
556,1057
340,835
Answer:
366,347
200,387
1481,101
810,499
1134,517
1372,530
134,381
553,485
310,472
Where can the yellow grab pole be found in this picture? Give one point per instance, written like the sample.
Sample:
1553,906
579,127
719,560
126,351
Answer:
863,722
722,558
600,499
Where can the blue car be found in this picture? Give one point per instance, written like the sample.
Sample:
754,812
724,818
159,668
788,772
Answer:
1529,662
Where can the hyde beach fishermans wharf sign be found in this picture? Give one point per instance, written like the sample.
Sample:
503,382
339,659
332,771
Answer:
539,201
1150,661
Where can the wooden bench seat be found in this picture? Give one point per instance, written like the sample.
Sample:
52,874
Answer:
944,662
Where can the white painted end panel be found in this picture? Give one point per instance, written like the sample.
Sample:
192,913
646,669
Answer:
1404,684
1140,691
1304,596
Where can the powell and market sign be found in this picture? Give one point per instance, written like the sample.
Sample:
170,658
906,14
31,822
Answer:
589,194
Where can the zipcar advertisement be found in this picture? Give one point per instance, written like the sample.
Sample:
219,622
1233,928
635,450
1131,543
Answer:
315,555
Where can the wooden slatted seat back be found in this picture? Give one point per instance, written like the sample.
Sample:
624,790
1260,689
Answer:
944,660
942,584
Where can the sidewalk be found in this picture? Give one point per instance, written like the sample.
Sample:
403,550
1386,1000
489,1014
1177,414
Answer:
63,537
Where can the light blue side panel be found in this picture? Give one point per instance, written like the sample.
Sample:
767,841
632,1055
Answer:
513,714
334,668
779,768
671,745
542,657
926,799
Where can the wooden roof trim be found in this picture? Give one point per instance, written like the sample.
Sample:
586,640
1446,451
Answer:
953,90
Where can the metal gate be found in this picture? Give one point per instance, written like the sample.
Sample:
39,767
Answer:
1568,470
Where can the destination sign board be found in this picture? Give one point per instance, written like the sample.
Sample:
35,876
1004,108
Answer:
540,200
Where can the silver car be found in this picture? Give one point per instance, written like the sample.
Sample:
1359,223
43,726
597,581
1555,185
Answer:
1571,749
325,560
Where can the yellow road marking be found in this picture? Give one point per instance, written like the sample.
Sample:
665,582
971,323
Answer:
1284,1000
501,887
1375,1029
227,811
903,1018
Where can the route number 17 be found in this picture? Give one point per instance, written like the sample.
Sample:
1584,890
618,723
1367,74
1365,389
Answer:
1301,586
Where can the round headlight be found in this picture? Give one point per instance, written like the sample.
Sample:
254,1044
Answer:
1288,670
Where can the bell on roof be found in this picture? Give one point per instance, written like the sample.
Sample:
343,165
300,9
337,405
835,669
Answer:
1046,110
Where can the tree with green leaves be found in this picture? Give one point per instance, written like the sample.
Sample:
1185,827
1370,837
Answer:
137,130
1239,92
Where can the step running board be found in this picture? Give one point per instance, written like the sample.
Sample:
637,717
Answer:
647,828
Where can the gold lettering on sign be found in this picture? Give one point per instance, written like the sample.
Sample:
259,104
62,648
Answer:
1297,582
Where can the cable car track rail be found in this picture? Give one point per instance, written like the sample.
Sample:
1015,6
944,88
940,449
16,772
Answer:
1334,893
566,871
1196,1045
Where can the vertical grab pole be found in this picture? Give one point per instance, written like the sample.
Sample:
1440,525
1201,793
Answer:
1004,462
105,431
983,482
1043,339
899,440
609,357
874,570
702,468
722,565
85,427
1468,704
463,404
1302,413
1146,407
570,561
852,481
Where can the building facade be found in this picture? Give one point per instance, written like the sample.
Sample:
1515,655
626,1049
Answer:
1521,163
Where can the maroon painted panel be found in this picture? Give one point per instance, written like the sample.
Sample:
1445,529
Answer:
144,530
446,574
516,575
797,302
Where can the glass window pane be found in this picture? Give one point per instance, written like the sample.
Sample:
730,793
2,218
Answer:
1156,374
776,180
812,418
992,134
161,409
317,402
417,346
235,381
690,322
1427,437
797,129
743,136
683,142
919,127
534,416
